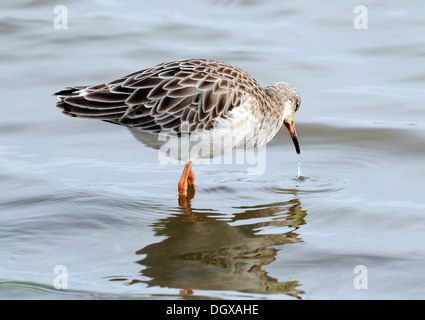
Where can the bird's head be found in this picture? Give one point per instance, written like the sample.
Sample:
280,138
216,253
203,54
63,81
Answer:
289,101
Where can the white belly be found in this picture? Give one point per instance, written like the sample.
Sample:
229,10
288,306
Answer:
242,129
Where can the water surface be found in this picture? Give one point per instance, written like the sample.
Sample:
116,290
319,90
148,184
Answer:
86,195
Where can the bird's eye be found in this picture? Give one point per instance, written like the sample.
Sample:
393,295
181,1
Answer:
297,105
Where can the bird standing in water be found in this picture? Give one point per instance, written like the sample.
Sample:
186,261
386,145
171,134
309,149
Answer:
208,100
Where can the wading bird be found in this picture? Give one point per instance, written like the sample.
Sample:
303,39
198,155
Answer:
211,100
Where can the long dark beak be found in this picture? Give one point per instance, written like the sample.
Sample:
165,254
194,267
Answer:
291,128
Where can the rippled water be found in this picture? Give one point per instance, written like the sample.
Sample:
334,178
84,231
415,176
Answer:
87,196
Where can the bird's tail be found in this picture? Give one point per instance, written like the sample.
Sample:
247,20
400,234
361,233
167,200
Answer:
92,103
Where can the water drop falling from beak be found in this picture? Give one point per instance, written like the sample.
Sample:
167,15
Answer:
299,167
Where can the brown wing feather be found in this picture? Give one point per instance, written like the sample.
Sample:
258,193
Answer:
195,92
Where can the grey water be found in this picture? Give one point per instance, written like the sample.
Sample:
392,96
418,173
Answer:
87,199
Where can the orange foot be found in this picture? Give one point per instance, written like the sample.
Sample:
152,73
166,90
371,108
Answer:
184,200
186,292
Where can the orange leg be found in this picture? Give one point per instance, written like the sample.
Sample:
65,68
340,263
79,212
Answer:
187,178
191,178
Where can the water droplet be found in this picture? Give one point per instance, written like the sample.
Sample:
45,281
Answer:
299,167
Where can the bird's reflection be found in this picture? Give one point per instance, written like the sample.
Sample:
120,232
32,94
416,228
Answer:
204,250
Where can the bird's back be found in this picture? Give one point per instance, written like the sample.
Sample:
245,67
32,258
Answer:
184,95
